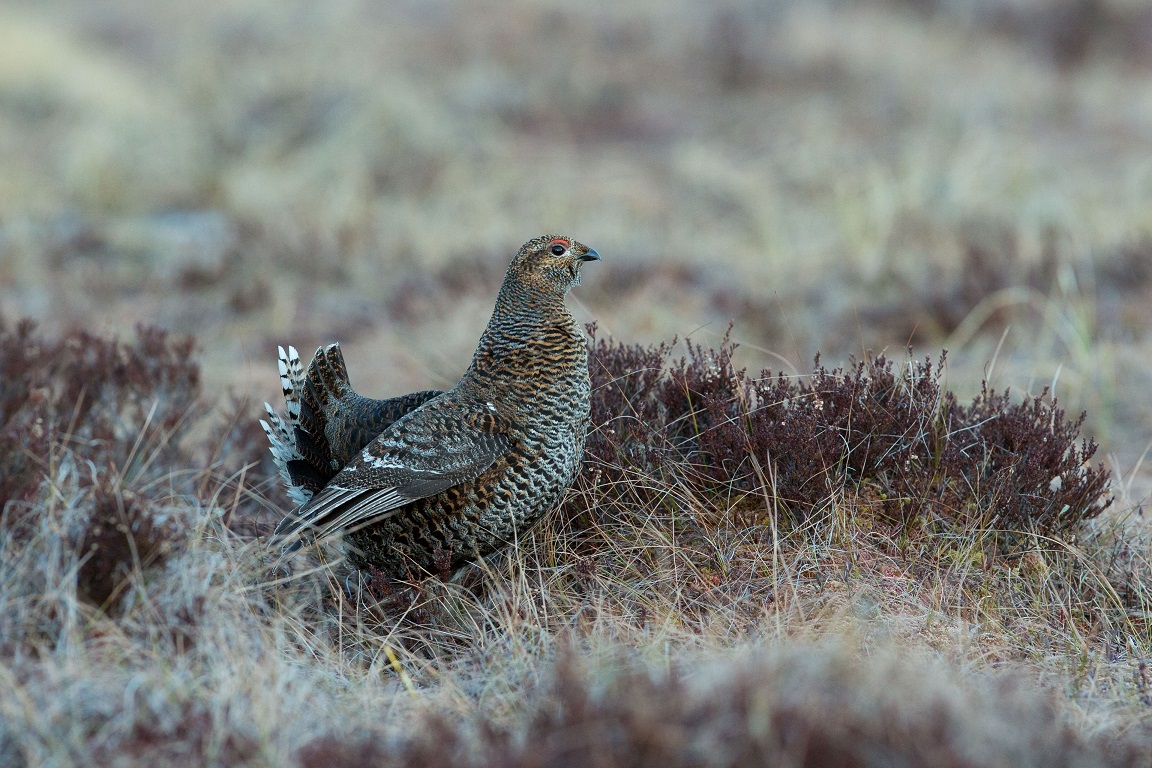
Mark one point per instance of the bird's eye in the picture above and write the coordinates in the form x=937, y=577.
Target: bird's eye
x=558, y=249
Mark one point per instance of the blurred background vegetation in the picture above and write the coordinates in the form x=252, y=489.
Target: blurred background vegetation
x=835, y=176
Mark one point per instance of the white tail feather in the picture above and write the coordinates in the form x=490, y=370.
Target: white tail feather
x=281, y=429
x=292, y=381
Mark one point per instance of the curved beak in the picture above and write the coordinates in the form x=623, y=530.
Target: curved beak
x=591, y=255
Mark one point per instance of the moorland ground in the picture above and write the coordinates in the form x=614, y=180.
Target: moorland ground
x=831, y=176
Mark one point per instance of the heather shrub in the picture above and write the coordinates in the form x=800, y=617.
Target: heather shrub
x=25, y=422
x=890, y=438
x=118, y=406
x=92, y=445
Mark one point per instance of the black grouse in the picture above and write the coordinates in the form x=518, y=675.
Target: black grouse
x=432, y=480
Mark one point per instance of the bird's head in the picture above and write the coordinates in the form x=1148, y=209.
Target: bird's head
x=551, y=263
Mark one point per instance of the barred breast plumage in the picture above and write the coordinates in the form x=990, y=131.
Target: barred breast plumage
x=452, y=476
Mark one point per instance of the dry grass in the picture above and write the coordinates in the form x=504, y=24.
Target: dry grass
x=835, y=176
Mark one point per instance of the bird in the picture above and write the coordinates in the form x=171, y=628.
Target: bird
x=427, y=482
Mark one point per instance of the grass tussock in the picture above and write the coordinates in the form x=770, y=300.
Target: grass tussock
x=698, y=601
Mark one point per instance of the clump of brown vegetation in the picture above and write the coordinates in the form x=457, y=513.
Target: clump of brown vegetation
x=893, y=437
x=190, y=736
x=762, y=710
x=92, y=439
x=105, y=398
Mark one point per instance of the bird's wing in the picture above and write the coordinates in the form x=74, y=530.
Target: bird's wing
x=326, y=422
x=427, y=451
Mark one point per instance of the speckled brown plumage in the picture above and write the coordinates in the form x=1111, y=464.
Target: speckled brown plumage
x=468, y=469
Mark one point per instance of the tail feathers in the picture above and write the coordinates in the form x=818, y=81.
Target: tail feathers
x=291, y=380
x=298, y=438
x=327, y=382
x=283, y=449
x=279, y=433
x=282, y=430
x=325, y=422
x=325, y=388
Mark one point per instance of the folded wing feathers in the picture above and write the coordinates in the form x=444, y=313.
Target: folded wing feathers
x=366, y=506
x=341, y=507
